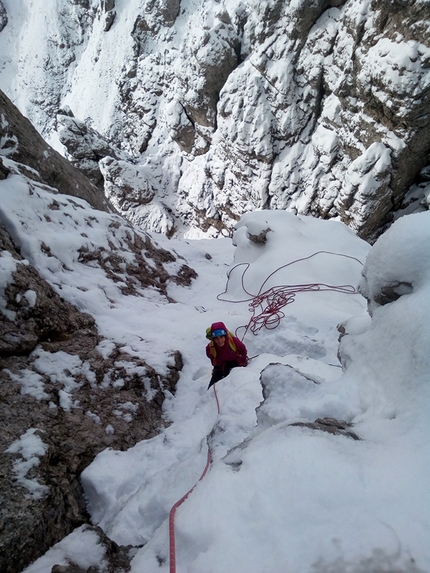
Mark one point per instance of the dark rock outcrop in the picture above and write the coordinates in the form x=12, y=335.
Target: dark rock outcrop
x=201, y=81
x=117, y=558
x=37, y=317
x=38, y=161
x=330, y=425
x=125, y=184
x=88, y=402
x=3, y=16
x=4, y=171
x=85, y=146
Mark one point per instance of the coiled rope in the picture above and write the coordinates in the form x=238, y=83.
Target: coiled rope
x=266, y=305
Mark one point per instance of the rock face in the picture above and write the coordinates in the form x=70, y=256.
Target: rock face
x=21, y=143
x=66, y=392
x=72, y=410
x=315, y=106
x=3, y=16
x=85, y=146
x=116, y=558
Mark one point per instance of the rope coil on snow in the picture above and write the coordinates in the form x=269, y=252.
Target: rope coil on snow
x=274, y=299
x=271, y=301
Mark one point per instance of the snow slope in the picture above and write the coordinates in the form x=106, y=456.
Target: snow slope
x=277, y=497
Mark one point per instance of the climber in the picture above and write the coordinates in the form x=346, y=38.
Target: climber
x=224, y=350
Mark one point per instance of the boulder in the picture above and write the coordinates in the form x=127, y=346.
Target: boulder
x=85, y=146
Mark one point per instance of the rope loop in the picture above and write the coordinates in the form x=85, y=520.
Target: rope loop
x=266, y=305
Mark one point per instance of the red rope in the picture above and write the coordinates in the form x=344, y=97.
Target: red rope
x=216, y=397
x=172, y=541
x=271, y=301
x=172, y=544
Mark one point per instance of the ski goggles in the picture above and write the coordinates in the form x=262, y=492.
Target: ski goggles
x=219, y=332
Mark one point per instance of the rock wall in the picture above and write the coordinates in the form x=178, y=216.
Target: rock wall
x=43, y=329
x=21, y=143
x=315, y=106
x=66, y=393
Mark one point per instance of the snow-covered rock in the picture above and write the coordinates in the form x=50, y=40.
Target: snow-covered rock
x=24, y=151
x=3, y=16
x=67, y=390
x=232, y=107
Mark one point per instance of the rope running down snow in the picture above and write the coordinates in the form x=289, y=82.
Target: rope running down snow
x=172, y=543
x=275, y=298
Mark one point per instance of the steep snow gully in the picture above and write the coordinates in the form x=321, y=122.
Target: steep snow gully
x=303, y=447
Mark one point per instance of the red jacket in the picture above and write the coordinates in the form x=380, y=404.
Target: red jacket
x=233, y=348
